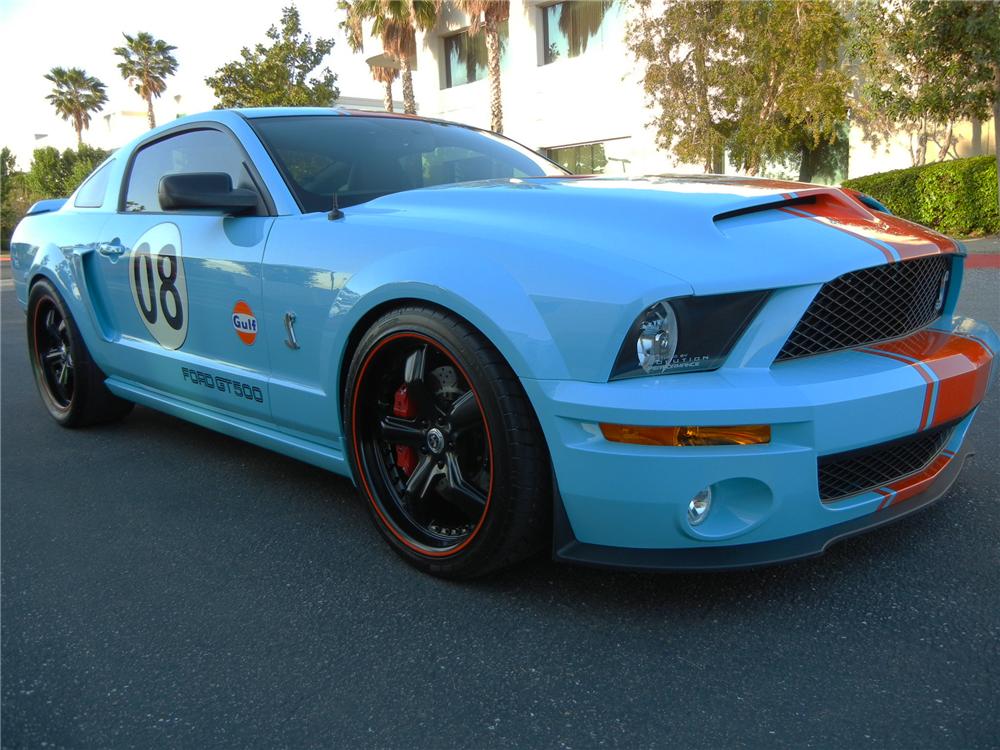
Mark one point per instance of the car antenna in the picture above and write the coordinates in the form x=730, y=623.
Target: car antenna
x=336, y=213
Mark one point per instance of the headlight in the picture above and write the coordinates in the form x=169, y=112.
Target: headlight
x=688, y=334
x=656, y=343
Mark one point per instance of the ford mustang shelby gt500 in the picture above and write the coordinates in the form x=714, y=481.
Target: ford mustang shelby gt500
x=665, y=372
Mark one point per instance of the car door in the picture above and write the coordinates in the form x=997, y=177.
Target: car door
x=181, y=289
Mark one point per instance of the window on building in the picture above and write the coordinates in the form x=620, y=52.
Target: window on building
x=569, y=28
x=601, y=157
x=465, y=57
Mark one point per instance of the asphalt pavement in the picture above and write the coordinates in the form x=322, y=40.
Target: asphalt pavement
x=164, y=586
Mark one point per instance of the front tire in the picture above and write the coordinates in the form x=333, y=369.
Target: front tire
x=445, y=446
x=70, y=384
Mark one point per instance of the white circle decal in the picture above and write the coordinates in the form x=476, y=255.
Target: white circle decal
x=156, y=276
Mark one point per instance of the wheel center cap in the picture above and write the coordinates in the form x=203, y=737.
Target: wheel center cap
x=435, y=440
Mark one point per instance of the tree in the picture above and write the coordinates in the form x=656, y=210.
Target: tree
x=486, y=17
x=49, y=173
x=83, y=162
x=75, y=95
x=279, y=74
x=56, y=175
x=788, y=84
x=969, y=33
x=8, y=164
x=395, y=23
x=52, y=175
x=922, y=66
x=148, y=62
x=717, y=81
x=686, y=48
x=385, y=76
x=9, y=177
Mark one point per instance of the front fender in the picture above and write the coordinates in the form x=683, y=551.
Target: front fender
x=549, y=321
x=551, y=312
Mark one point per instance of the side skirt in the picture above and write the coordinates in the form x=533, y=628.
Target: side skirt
x=325, y=457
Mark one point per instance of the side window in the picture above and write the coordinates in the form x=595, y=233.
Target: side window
x=91, y=193
x=191, y=151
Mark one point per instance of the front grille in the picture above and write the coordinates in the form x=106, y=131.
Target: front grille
x=870, y=305
x=844, y=474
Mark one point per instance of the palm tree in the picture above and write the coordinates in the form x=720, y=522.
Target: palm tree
x=75, y=95
x=385, y=76
x=395, y=23
x=487, y=16
x=147, y=61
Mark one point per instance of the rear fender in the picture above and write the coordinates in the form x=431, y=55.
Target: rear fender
x=56, y=246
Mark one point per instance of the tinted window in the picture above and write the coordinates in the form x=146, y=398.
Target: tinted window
x=359, y=158
x=91, y=193
x=191, y=151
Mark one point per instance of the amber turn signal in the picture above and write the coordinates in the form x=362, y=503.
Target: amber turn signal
x=748, y=434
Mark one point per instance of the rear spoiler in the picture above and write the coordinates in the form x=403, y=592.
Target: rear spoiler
x=46, y=206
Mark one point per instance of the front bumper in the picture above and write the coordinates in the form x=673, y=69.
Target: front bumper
x=625, y=505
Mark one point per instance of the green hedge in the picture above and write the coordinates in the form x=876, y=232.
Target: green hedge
x=955, y=197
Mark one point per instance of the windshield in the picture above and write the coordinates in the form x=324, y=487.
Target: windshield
x=360, y=157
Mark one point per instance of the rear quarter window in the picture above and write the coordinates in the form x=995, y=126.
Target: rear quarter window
x=91, y=193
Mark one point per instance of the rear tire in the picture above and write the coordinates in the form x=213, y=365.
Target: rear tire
x=70, y=384
x=445, y=446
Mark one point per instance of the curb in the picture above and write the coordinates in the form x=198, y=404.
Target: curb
x=982, y=260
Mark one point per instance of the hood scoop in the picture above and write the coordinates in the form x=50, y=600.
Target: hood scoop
x=823, y=202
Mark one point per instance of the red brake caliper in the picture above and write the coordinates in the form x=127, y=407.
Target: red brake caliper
x=406, y=457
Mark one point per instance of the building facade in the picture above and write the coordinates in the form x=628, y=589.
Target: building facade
x=573, y=91
x=570, y=86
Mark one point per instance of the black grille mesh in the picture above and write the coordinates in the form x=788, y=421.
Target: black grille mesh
x=870, y=305
x=845, y=474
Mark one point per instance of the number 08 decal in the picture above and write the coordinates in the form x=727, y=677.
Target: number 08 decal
x=156, y=276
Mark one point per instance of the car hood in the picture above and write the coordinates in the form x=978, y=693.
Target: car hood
x=715, y=233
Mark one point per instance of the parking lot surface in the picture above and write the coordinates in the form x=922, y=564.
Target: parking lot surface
x=164, y=585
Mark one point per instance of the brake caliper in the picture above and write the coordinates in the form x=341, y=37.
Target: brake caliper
x=406, y=457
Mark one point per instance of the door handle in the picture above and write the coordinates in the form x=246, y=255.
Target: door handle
x=114, y=249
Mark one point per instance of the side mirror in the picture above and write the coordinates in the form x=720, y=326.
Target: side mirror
x=205, y=190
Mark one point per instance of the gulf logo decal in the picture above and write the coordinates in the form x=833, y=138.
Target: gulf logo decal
x=244, y=323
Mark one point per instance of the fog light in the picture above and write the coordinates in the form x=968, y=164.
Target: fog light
x=699, y=506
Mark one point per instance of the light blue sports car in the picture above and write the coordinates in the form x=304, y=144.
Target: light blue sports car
x=665, y=372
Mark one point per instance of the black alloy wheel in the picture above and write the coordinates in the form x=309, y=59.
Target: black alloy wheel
x=70, y=384
x=444, y=445
x=432, y=460
x=54, y=353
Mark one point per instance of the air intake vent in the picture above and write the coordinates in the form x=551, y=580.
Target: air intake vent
x=870, y=305
x=845, y=474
